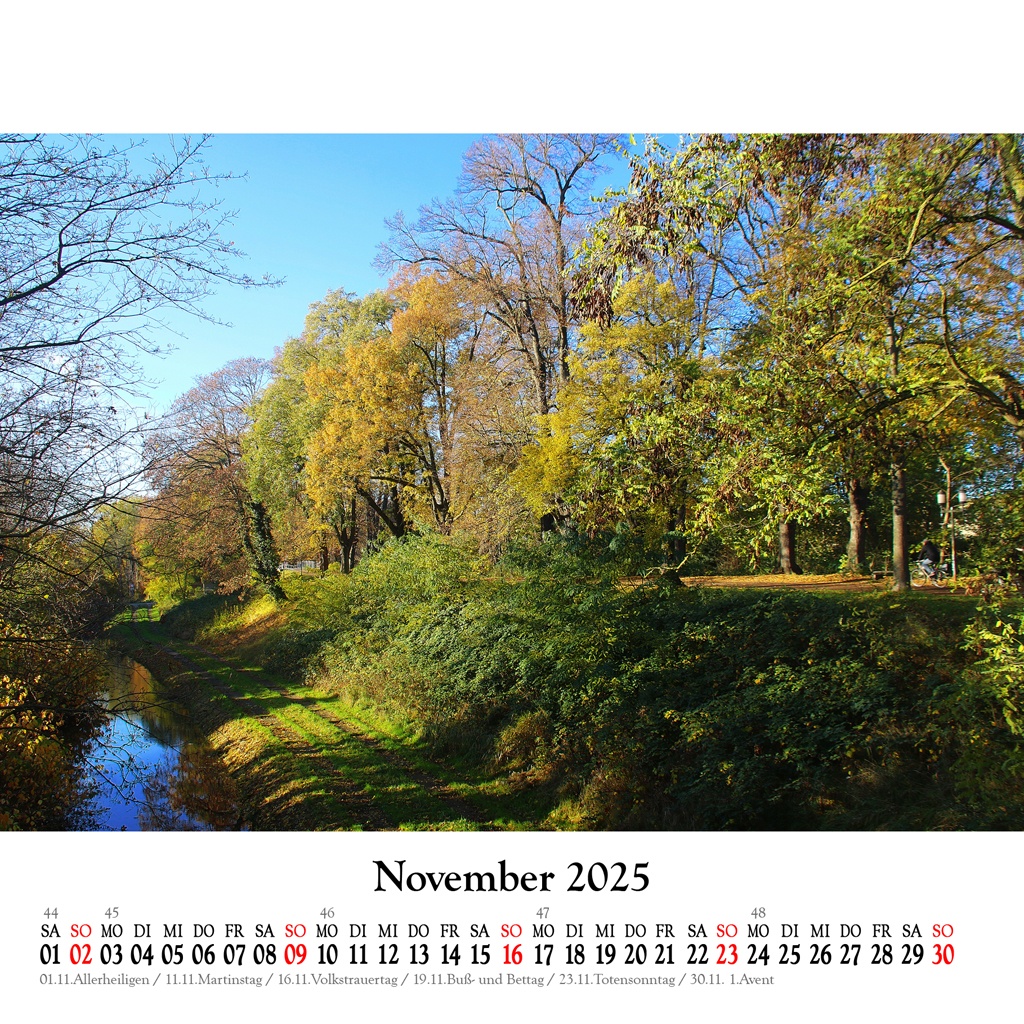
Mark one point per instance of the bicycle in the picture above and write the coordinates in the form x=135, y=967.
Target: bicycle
x=929, y=572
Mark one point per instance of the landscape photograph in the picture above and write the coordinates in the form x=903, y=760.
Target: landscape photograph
x=512, y=482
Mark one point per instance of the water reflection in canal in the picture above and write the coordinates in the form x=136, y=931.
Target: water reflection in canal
x=150, y=769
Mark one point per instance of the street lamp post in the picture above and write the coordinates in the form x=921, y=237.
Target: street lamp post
x=944, y=498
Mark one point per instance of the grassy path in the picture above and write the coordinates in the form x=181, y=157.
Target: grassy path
x=307, y=759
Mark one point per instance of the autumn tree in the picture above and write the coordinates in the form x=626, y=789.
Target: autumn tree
x=115, y=539
x=285, y=419
x=885, y=256
x=924, y=264
x=198, y=473
x=335, y=466
x=510, y=231
x=95, y=241
x=964, y=201
x=703, y=218
x=388, y=405
x=622, y=445
x=828, y=256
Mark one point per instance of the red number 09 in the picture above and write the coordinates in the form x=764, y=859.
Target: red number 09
x=294, y=954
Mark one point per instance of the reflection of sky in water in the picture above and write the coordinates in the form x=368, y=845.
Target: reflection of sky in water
x=149, y=768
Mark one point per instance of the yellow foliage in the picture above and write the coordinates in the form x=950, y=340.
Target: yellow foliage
x=634, y=363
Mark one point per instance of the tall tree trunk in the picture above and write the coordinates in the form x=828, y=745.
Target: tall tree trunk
x=857, y=495
x=900, y=557
x=787, y=548
x=342, y=535
x=350, y=552
x=900, y=560
x=678, y=543
x=260, y=550
x=347, y=537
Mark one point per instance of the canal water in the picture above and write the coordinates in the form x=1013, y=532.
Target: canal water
x=150, y=769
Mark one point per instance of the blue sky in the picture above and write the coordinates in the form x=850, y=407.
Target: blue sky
x=311, y=210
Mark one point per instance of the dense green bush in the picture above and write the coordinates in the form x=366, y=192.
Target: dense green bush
x=982, y=712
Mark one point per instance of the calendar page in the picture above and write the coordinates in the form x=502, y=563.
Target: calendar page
x=775, y=925
x=522, y=521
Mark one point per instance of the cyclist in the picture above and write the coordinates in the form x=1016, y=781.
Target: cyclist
x=928, y=559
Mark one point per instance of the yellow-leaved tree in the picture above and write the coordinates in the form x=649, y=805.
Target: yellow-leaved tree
x=395, y=410
x=619, y=449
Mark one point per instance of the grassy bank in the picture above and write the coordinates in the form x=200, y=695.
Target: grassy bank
x=304, y=757
x=547, y=695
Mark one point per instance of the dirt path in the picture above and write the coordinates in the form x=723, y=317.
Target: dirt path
x=434, y=786
x=301, y=695
x=833, y=583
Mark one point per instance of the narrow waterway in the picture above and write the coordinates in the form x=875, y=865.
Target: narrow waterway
x=149, y=768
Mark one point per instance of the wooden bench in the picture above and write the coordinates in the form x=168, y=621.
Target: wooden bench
x=135, y=606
